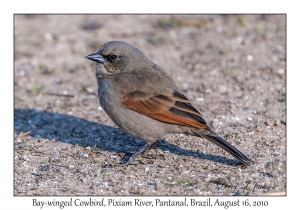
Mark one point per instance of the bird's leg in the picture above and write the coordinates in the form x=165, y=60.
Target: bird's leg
x=144, y=148
x=145, y=155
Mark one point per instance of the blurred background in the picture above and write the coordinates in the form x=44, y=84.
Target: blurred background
x=204, y=53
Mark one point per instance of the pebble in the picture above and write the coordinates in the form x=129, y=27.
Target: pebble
x=249, y=57
x=235, y=118
x=48, y=36
x=90, y=90
x=22, y=72
x=92, y=25
x=260, y=129
x=277, y=122
x=25, y=158
x=84, y=155
x=199, y=99
x=173, y=34
x=219, y=29
x=185, y=86
x=273, y=122
x=239, y=39
x=208, y=90
x=280, y=71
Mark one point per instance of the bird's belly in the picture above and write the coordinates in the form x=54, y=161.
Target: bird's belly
x=128, y=120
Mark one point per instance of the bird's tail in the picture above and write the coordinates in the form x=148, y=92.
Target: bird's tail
x=216, y=139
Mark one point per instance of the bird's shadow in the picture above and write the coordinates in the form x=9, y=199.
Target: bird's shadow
x=75, y=130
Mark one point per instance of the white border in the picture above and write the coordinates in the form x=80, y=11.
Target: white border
x=8, y=201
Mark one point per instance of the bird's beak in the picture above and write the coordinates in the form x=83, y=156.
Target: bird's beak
x=95, y=57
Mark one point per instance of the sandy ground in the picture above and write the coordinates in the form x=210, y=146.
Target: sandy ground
x=232, y=68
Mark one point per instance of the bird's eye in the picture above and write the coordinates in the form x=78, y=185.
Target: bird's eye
x=113, y=57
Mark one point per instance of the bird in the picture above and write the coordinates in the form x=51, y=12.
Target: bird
x=142, y=99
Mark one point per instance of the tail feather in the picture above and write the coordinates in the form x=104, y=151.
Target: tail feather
x=216, y=139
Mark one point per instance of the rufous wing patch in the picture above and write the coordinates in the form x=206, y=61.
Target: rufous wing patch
x=170, y=108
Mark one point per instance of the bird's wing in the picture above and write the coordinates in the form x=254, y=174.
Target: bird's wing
x=170, y=108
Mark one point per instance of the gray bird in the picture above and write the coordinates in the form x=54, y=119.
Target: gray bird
x=142, y=99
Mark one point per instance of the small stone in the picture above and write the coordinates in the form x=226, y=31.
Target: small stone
x=185, y=86
x=239, y=39
x=199, y=99
x=249, y=57
x=273, y=122
x=22, y=72
x=90, y=90
x=25, y=158
x=84, y=155
x=48, y=36
x=260, y=129
x=208, y=179
x=277, y=122
x=269, y=122
x=91, y=25
x=208, y=90
x=239, y=105
x=266, y=70
x=280, y=71
x=173, y=34
x=221, y=181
